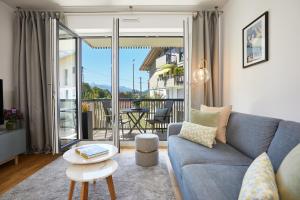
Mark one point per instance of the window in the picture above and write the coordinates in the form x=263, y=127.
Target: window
x=181, y=58
x=66, y=76
x=67, y=94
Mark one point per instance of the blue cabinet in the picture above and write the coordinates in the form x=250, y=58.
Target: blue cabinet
x=12, y=143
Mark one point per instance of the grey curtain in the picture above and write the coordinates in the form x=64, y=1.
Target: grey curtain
x=205, y=45
x=33, y=76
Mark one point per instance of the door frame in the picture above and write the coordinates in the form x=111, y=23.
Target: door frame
x=187, y=48
x=56, y=24
x=115, y=74
x=115, y=83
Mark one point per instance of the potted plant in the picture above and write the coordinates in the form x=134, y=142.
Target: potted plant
x=87, y=121
x=178, y=71
x=137, y=104
x=13, y=119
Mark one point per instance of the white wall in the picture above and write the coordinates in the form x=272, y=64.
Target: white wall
x=271, y=88
x=6, y=44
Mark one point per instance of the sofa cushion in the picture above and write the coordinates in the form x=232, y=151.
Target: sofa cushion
x=251, y=134
x=203, y=135
x=286, y=138
x=223, y=119
x=183, y=152
x=205, y=118
x=259, y=180
x=211, y=181
x=288, y=176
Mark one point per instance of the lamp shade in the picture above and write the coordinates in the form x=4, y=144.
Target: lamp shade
x=201, y=74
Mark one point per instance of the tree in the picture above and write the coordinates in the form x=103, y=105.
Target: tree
x=94, y=93
x=86, y=91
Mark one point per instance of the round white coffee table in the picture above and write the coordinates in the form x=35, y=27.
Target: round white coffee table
x=72, y=157
x=91, y=172
x=85, y=170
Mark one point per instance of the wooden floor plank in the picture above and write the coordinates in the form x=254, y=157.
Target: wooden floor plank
x=11, y=174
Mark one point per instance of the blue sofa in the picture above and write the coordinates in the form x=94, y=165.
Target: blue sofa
x=217, y=173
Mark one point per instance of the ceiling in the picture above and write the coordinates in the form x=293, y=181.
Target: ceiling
x=115, y=5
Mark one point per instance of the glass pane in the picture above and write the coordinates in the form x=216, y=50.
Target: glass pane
x=96, y=88
x=151, y=89
x=68, y=131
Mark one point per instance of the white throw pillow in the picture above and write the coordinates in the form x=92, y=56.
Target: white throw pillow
x=259, y=181
x=199, y=134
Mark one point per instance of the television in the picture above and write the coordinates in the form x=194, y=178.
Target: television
x=1, y=103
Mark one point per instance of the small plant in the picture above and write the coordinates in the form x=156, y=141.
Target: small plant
x=12, y=115
x=178, y=71
x=137, y=103
x=85, y=107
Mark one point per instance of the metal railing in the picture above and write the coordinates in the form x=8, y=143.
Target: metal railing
x=96, y=106
x=170, y=81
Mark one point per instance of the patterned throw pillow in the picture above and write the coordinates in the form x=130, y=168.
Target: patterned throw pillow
x=199, y=134
x=259, y=181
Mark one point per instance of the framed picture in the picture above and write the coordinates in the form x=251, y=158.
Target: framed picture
x=255, y=41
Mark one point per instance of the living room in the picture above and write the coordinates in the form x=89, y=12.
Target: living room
x=234, y=134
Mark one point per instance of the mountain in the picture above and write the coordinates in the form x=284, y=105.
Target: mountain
x=108, y=87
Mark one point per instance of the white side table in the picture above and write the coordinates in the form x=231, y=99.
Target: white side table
x=85, y=170
x=91, y=172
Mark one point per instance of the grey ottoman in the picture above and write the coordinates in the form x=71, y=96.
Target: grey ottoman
x=146, y=153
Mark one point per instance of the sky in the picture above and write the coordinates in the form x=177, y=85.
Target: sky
x=97, y=66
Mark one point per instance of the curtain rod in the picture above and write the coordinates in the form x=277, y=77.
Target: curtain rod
x=220, y=12
x=193, y=13
x=132, y=12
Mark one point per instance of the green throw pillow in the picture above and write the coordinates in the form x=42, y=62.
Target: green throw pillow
x=199, y=134
x=288, y=175
x=205, y=118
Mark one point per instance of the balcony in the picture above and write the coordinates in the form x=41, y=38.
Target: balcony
x=161, y=83
x=166, y=59
x=99, y=119
x=170, y=81
x=174, y=81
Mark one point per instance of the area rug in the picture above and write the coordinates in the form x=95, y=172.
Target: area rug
x=131, y=182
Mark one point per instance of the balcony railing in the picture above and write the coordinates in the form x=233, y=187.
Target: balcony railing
x=170, y=81
x=99, y=122
x=166, y=59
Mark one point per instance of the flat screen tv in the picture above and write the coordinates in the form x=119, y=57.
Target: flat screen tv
x=1, y=103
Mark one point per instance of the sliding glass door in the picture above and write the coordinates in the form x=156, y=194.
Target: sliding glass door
x=125, y=86
x=66, y=76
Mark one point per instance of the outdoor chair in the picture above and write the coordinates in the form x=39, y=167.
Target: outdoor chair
x=161, y=116
x=108, y=117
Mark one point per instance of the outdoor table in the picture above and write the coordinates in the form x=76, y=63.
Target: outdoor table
x=136, y=119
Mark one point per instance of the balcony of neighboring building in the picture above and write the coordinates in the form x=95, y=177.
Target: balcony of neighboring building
x=167, y=78
x=166, y=61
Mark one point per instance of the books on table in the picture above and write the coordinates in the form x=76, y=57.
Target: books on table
x=91, y=151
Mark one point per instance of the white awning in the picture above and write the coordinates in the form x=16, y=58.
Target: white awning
x=136, y=42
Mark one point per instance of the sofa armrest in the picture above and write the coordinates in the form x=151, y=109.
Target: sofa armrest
x=174, y=129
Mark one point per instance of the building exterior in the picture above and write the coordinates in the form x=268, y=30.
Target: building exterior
x=67, y=76
x=166, y=72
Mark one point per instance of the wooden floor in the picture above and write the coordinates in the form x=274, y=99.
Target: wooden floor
x=11, y=174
